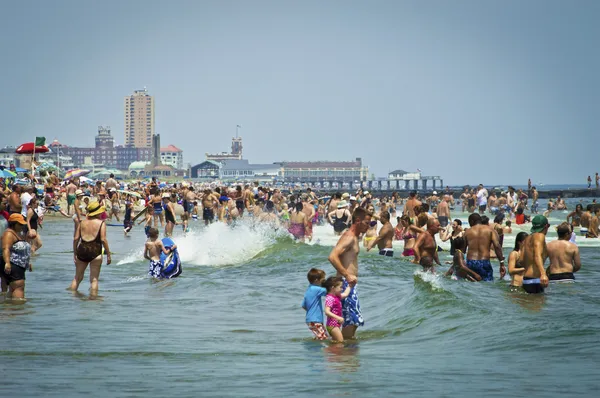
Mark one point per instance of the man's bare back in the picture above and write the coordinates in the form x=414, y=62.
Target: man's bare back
x=564, y=257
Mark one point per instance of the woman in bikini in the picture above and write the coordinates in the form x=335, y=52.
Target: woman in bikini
x=514, y=263
x=88, y=241
x=298, y=221
x=408, y=233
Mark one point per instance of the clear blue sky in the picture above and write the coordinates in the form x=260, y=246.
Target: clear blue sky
x=474, y=91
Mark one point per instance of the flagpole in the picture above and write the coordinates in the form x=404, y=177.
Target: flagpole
x=32, y=161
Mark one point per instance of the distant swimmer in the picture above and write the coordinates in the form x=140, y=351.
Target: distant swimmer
x=344, y=258
x=426, y=247
x=340, y=218
x=411, y=203
x=575, y=216
x=479, y=238
x=482, y=198
x=533, y=254
x=564, y=256
x=534, y=197
x=594, y=230
x=443, y=211
x=385, y=238
x=586, y=217
x=298, y=222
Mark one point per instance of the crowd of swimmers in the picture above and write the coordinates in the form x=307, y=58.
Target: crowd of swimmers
x=357, y=219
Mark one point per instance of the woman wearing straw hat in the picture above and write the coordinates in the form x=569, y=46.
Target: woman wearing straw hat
x=88, y=241
x=16, y=255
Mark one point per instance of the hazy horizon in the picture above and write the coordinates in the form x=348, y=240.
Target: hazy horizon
x=473, y=91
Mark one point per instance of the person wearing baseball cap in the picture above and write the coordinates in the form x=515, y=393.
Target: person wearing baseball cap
x=534, y=254
x=18, y=251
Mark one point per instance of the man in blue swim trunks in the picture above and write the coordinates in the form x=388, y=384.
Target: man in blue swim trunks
x=344, y=258
x=479, y=239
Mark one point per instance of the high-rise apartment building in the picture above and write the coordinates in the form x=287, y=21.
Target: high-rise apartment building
x=139, y=119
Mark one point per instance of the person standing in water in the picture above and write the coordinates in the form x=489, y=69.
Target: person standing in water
x=385, y=238
x=533, y=254
x=88, y=241
x=514, y=264
x=344, y=258
x=426, y=247
x=564, y=256
x=15, y=258
x=479, y=239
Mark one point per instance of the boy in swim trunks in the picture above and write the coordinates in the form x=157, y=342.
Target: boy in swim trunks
x=152, y=250
x=313, y=305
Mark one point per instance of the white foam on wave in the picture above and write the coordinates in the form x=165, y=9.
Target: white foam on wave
x=220, y=244
x=435, y=280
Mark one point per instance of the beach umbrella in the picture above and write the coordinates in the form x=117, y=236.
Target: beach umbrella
x=28, y=148
x=137, y=195
x=74, y=173
x=7, y=174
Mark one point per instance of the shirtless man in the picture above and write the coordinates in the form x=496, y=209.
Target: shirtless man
x=594, y=230
x=564, y=256
x=464, y=198
x=479, y=238
x=115, y=205
x=411, y=203
x=585, y=219
x=534, y=200
x=71, y=188
x=385, y=238
x=208, y=203
x=111, y=183
x=14, y=200
x=443, y=211
x=426, y=247
x=344, y=258
x=533, y=254
x=492, y=203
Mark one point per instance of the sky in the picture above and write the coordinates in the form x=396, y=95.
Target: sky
x=473, y=91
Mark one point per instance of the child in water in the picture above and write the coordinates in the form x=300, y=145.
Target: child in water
x=152, y=251
x=458, y=264
x=312, y=303
x=333, y=306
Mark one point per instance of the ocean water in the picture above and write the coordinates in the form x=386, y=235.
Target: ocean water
x=232, y=325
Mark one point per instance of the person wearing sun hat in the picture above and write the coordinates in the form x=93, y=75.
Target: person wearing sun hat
x=89, y=239
x=534, y=253
x=15, y=258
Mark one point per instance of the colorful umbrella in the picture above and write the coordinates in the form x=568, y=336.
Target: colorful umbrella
x=137, y=195
x=28, y=148
x=74, y=173
x=7, y=174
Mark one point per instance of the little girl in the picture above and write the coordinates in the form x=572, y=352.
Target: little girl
x=458, y=265
x=333, y=306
